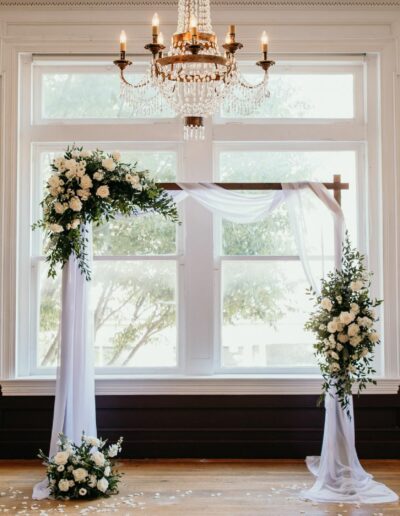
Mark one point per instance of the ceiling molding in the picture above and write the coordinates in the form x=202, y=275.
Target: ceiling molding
x=217, y=3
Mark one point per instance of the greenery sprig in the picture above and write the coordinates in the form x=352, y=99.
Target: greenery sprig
x=93, y=187
x=343, y=324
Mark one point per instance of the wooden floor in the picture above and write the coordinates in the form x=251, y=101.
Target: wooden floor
x=209, y=488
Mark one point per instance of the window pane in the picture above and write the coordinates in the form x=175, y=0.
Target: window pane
x=76, y=94
x=49, y=318
x=280, y=166
x=303, y=95
x=135, y=313
x=264, y=311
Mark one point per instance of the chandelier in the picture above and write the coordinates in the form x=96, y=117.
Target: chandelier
x=193, y=77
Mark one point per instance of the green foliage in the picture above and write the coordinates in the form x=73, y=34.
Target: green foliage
x=343, y=326
x=92, y=187
x=84, y=471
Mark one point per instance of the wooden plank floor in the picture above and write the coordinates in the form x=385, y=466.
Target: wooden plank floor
x=209, y=488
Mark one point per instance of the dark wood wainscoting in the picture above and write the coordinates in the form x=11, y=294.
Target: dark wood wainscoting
x=206, y=426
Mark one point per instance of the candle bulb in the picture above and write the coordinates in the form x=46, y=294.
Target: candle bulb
x=193, y=25
x=122, y=41
x=228, y=39
x=232, y=29
x=264, y=42
x=155, y=22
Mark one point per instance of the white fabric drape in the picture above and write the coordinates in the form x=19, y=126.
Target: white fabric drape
x=74, y=407
x=340, y=476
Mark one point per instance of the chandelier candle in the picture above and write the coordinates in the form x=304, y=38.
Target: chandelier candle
x=193, y=77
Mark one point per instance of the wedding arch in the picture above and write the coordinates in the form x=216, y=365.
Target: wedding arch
x=74, y=409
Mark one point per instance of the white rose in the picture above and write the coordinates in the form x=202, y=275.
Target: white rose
x=102, y=485
x=59, y=208
x=98, y=458
x=86, y=182
x=116, y=155
x=374, y=337
x=364, y=352
x=56, y=228
x=353, y=330
x=92, y=441
x=99, y=176
x=83, y=194
x=107, y=471
x=82, y=491
x=322, y=327
x=354, y=308
x=326, y=304
x=332, y=340
x=339, y=347
x=60, y=468
x=355, y=341
x=71, y=483
x=75, y=223
x=103, y=191
x=334, y=367
x=356, y=285
x=70, y=164
x=352, y=369
x=334, y=355
x=372, y=313
x=346, y=317
x=85, y=154
x=80, y=474
x=332, y=326
x=92, y=481
x=54, y=181
x=75, y=204
x=342, y=337
x=366, y=322
x=63, y=485
x=75, y=154
x=108, y=164
x=59, y=163
x=113, y=450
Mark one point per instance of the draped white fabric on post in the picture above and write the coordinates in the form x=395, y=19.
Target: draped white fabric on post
x=74, y=407
x=340, y=476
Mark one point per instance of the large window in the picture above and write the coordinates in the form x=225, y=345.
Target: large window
x=208, y=296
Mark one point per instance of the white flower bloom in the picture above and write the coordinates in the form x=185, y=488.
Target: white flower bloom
x=107, y=471
x=355, y=341
x=59, y=163
x=102, y=485
x=86, y=182
x=93, y=441
x=54, y=181
x=98, y=458
x=80, y=474
x=353, y=330
x=332, y=340
x=63, y=485
x=332, y=326
x=92, y=481
x=342, y=337
x=372, y=313
x=59, y=208
x=86, y=154
x=75, y=154
x=82, y=491
x=103, y=191
x=71, y=483
x=116, y=155
x=60, y=468
x=70, y=164
x=83, y=194
x=334, y=355
x=113, y=450
x=334, y=367
x=326, y=304
x=346, y=317
x=75, y=223
x=354, y=308
x=99, y=176
x=75, y=204
x=56, y=228
x=365, y=322
x=356, y=285
x=352, y=369
x=364, y=352
x=322, y=327
x=373, y=337
x=108, y=164
x=339, y=347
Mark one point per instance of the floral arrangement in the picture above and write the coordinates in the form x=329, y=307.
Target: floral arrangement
x=343, y=324
x=92, y=187
x=84, y=471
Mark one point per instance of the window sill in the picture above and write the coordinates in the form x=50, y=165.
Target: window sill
x=183, y=385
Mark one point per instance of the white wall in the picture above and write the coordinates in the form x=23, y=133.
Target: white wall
x=373, y=28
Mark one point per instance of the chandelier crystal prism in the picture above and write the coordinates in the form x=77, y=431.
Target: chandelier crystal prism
x=193, y=77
